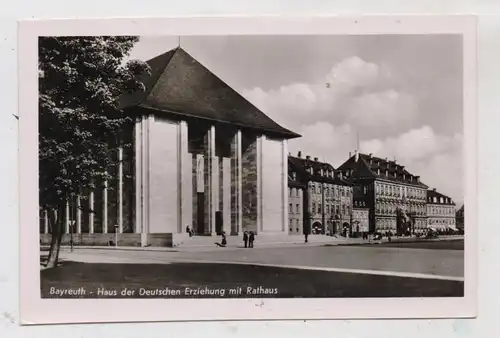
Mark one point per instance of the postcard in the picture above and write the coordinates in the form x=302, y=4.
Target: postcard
x=247, y=168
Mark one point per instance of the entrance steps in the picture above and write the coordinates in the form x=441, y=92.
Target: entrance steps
x=265, y=239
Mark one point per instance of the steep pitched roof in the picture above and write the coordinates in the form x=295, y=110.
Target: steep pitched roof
x=302, y=166
x=368, y=166
x=179, y=84
x=445, y=199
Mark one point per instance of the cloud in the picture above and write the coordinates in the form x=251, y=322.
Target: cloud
x=437, y=159
x=352, y=92
x=323, y=140
x=359, y=97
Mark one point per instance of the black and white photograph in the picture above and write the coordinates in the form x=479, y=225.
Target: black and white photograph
x=251, y=166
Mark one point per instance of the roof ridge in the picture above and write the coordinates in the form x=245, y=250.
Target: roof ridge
x=178, y=48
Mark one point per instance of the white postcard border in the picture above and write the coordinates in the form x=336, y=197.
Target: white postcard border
x=34, y=310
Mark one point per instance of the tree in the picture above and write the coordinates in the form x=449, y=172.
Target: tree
x=80, y=82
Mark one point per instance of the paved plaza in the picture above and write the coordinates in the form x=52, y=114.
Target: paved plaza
x=389, y=269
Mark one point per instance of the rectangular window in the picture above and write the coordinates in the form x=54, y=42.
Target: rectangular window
x=298, y=208
x=290, y=210
x=319, y=208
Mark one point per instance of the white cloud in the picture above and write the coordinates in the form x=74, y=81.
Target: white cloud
x=361, y=97
x=353, y=72
x=323, y=140
x=352, y=92
x=437, y=159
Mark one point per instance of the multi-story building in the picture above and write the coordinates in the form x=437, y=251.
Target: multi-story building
x=396, y=198
x=441, y=211
x=296, y=192
x=202, y=157
x=460, y=218
x=360, y=217
x=328, y=197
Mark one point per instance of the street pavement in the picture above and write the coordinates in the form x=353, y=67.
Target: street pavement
x=372, y=259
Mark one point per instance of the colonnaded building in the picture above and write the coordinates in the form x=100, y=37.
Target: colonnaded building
x=203, y=157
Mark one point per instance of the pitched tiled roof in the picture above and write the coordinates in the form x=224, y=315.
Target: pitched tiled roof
x=179, y=84
x=368, y=166
x=302, y=166
x=445, y=199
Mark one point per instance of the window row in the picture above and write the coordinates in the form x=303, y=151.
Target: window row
x=446, y=221
x=441, y=211
x=294, y=223
x=399, y=191
x=291, y=210
x=316, y=188
x=391, y=209
x=293, y=192
x=331, y=209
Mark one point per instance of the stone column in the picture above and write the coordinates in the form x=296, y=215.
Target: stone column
x=78, y=216
x=120, y=189
x=66, y=220
x=105, y=208
x=138, y=175
x=185, y=180
x=144, y=169
x=236, y=185
x=226, y=194
x=91, y=212
x=258, y=159
x=210, y=181
x=250, y=190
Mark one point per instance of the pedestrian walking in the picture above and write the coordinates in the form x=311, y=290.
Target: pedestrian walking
x=251, y=239
x=224, y=240
x=306, y=235
x=245, y=238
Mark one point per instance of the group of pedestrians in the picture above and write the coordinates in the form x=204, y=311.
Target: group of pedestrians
x=248, y=239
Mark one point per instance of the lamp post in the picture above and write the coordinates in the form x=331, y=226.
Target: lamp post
x=71, y=225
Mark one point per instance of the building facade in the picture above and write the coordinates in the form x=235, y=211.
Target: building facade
x=396, y=198
x=296, y=192
x=327, y=199
x=203, y=157
x=441, y=211
x=361, y=217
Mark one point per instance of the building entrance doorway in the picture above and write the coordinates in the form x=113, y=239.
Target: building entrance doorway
x=218, y=222
x=200, y=214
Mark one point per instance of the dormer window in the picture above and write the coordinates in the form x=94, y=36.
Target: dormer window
x=386, y=173
x=294, y=176
x=378, y=171
x=395, y=175
x=321, y=172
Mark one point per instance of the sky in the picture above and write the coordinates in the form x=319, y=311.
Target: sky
x=397, y=96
